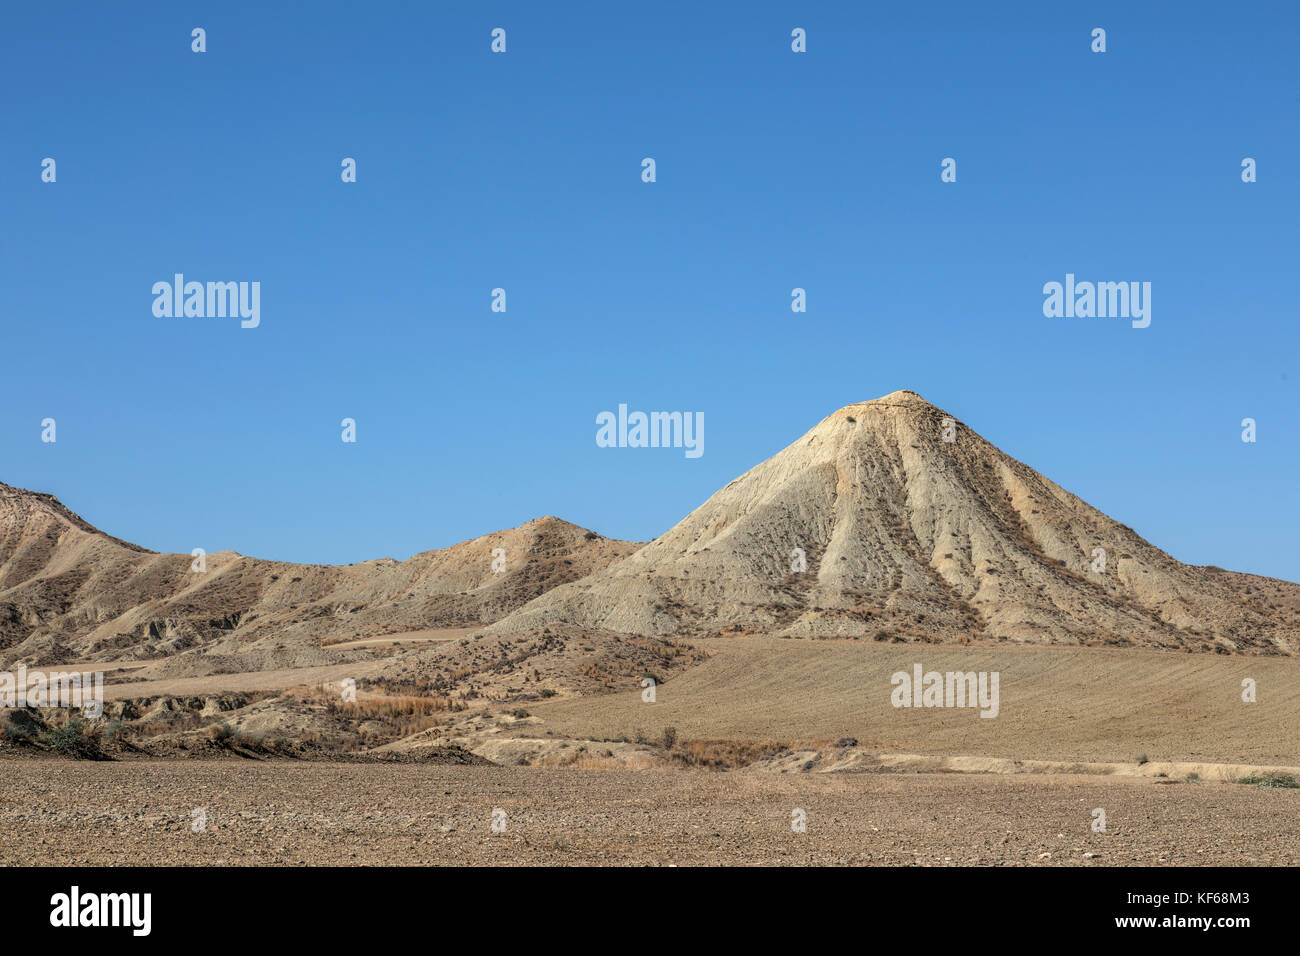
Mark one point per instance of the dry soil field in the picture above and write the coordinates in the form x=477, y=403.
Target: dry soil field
x=1090, y=704
x=55, y=812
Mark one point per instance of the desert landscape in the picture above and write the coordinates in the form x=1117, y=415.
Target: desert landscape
x=726, y=693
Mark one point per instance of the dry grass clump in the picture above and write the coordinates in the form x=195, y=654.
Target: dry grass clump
x=725, y=754
x=387, y=708
x=582, y=759
x=396, y=716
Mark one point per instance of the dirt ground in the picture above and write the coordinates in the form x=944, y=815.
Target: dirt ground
x=55, y=812
x=1058, y=703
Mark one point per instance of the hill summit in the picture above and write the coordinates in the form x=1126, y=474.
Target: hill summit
x=892, y=520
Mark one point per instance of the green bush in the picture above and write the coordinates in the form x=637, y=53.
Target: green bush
x=76, y=738
x=1281, y=780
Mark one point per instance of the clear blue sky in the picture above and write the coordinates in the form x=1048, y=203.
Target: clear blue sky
x=522, y=170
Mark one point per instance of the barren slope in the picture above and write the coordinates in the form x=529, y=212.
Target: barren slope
x=1057, y=703
x=910, y=537
x=69, y=592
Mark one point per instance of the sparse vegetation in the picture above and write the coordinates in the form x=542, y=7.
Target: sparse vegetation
x=1281, y=780
x=76, y=738
x=223, y=735
x=384, y=707
x=726, y=754
x=18, y=732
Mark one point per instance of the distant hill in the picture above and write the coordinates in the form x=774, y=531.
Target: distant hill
x=71, y=592
x=910, y=537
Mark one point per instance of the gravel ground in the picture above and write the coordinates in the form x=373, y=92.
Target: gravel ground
x=64, y=813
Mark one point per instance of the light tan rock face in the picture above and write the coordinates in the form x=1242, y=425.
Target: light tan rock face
x=906, y=537
x=910, y=537
x=70, y=592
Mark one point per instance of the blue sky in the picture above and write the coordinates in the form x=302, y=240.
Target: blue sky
x=775, y=170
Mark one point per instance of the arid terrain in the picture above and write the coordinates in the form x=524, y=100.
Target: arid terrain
x=258, y=814
x=674, y=701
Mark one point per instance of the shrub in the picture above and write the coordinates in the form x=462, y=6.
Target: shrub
x=1282, y=780
x=670, y=738
x=20, y=727
x=76, y=738
x=387, y=707
x=726, y=755
x=1143, y=759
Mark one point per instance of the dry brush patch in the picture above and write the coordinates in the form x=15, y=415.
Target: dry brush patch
x=729, y=754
